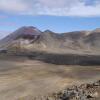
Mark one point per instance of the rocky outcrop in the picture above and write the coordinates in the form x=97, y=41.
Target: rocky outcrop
x=89, y=91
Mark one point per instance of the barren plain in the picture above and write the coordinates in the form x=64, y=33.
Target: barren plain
x=22, y=78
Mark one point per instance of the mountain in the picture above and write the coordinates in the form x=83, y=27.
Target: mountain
x=49, y=39
x=93, y=39
x=31, y=38
x=29, y=33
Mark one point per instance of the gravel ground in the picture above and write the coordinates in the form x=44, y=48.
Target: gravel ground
x=88, y=91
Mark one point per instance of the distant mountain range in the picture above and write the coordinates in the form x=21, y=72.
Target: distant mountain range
x=32, y=39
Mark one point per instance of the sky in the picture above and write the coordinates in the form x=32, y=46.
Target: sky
x=56, y=15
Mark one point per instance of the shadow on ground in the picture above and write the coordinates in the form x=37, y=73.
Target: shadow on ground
x=66, y=59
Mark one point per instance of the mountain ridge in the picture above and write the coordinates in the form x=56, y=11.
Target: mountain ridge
x=32, y=38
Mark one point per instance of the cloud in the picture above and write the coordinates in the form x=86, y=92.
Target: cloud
x=2, y=16
x=82, y=8
x=8, y=24
x=12, y=6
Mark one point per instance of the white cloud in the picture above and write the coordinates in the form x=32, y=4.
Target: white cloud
x=82, y=8
x=13, y=6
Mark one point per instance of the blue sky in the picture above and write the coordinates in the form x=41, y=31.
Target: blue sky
x=56, y=15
